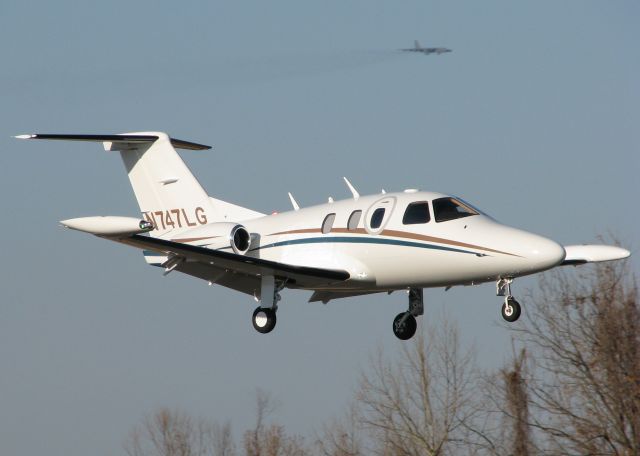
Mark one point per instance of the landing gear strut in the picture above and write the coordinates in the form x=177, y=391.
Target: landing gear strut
x=511, y=309
x=405, y=325
x=264, y=317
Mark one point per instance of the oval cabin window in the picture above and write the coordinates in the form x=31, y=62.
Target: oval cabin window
x=354, y=219
x=327, y=224
x=376, y=218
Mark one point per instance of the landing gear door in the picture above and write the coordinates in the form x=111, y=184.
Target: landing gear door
x=378, y=214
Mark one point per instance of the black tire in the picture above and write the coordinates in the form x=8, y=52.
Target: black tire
x=264, y=319
x=514, y=311
x=406, y=329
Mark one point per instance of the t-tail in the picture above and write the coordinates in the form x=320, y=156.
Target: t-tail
x=169, y=195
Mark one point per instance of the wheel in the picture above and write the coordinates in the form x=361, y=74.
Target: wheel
x=264, y=319
x=404, y=330
x=511, y=309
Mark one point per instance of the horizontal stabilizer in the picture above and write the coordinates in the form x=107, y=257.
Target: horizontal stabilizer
x=135, y=139
x=109, y=225
x=581, y=254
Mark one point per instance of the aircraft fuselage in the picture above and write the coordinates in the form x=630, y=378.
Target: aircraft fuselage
x=393, y=254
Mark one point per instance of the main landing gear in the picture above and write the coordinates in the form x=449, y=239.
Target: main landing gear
x=264, y=317
x=405, y=325
x=511, y=309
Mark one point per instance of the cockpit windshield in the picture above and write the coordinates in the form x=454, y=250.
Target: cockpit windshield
x=447, y=208
x=472, y=206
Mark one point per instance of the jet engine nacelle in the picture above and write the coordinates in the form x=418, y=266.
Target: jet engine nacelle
x=220, y=235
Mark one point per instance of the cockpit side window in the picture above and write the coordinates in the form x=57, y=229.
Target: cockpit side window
x=416, y=213
x=446, y=209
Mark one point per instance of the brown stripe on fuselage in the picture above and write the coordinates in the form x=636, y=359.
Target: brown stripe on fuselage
x=397, y=234
x=347, y=230
x=303, y=231
x=422, y=237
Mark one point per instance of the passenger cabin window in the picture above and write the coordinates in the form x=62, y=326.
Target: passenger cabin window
x=446, y=209
x=327, y=224
x=416, y=213
x=376, y=218
x=354, y=219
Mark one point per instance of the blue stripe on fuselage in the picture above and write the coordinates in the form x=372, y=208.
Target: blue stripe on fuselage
x=361, y=240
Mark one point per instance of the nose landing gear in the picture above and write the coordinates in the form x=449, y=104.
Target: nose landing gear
x=511, y=309
x=405, y=325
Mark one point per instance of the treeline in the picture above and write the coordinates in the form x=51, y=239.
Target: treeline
x=571, y=387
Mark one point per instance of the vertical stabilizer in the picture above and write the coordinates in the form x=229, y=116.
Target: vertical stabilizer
x=168, y=194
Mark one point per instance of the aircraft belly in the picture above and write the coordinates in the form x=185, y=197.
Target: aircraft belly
x=424, y=267
x=390, y=262
x=407, y=267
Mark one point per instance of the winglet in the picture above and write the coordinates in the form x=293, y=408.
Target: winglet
x=294, y=203
x=354, y=192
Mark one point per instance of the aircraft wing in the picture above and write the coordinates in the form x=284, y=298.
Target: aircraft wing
x=230, y=263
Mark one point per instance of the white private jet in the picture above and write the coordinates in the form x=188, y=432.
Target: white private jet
x=366, y=244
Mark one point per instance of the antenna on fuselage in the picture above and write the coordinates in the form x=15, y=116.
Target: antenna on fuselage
x=354, y=192
x=294, y=203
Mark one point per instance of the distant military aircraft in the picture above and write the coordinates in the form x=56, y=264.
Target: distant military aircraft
x=426, y=51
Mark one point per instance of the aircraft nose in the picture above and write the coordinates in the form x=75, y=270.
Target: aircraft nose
x=544, y=253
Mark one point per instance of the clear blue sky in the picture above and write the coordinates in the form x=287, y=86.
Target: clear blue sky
x=534, y=118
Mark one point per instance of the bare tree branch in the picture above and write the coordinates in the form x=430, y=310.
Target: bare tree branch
x=173, y=433
x=423, y=402
x=584, y=336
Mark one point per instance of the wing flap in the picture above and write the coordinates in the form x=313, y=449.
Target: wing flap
x=325, y=296
x=249, y=284
x=299, y=276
